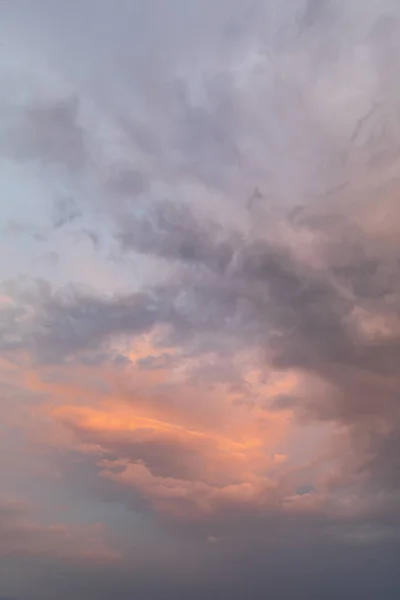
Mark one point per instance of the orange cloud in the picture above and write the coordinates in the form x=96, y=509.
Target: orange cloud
x=173, y=442
x=169, y=461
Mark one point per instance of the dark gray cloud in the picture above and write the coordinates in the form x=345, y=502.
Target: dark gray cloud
x=65, y=323
x=170, y=230
x=294, y=559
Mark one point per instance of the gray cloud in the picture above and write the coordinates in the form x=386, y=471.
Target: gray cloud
x=170, y=230
x=298, y=101
x=50, y=133
x=163, y=457
x=65, y=211
x=63, y=324
x=156, y=362
x=266, y=296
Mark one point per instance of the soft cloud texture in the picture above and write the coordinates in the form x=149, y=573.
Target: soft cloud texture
x=199, y=299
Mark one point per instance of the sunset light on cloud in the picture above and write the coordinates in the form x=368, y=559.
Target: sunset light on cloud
x=199, y=299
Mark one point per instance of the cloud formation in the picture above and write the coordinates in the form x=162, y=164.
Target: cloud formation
x=200, y=383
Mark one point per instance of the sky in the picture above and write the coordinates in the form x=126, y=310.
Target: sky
x=199, y=299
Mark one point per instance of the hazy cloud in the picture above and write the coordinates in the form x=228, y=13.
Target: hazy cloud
x=222, y=399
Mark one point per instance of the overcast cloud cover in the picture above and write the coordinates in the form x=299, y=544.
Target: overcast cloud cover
x=199, y=299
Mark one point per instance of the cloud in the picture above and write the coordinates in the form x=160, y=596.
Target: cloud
x=171, y=463
x=49, y=133
x=307, y=320
x=171, y=231
x=22, y=537
x=234, y=378
x=65, y=323
x=65, y=211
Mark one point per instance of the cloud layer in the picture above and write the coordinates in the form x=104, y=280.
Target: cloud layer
x=199, y=299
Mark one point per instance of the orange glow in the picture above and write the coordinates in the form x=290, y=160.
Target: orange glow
x=205, y=448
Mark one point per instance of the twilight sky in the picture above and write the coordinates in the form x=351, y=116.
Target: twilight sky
x=199, y=299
